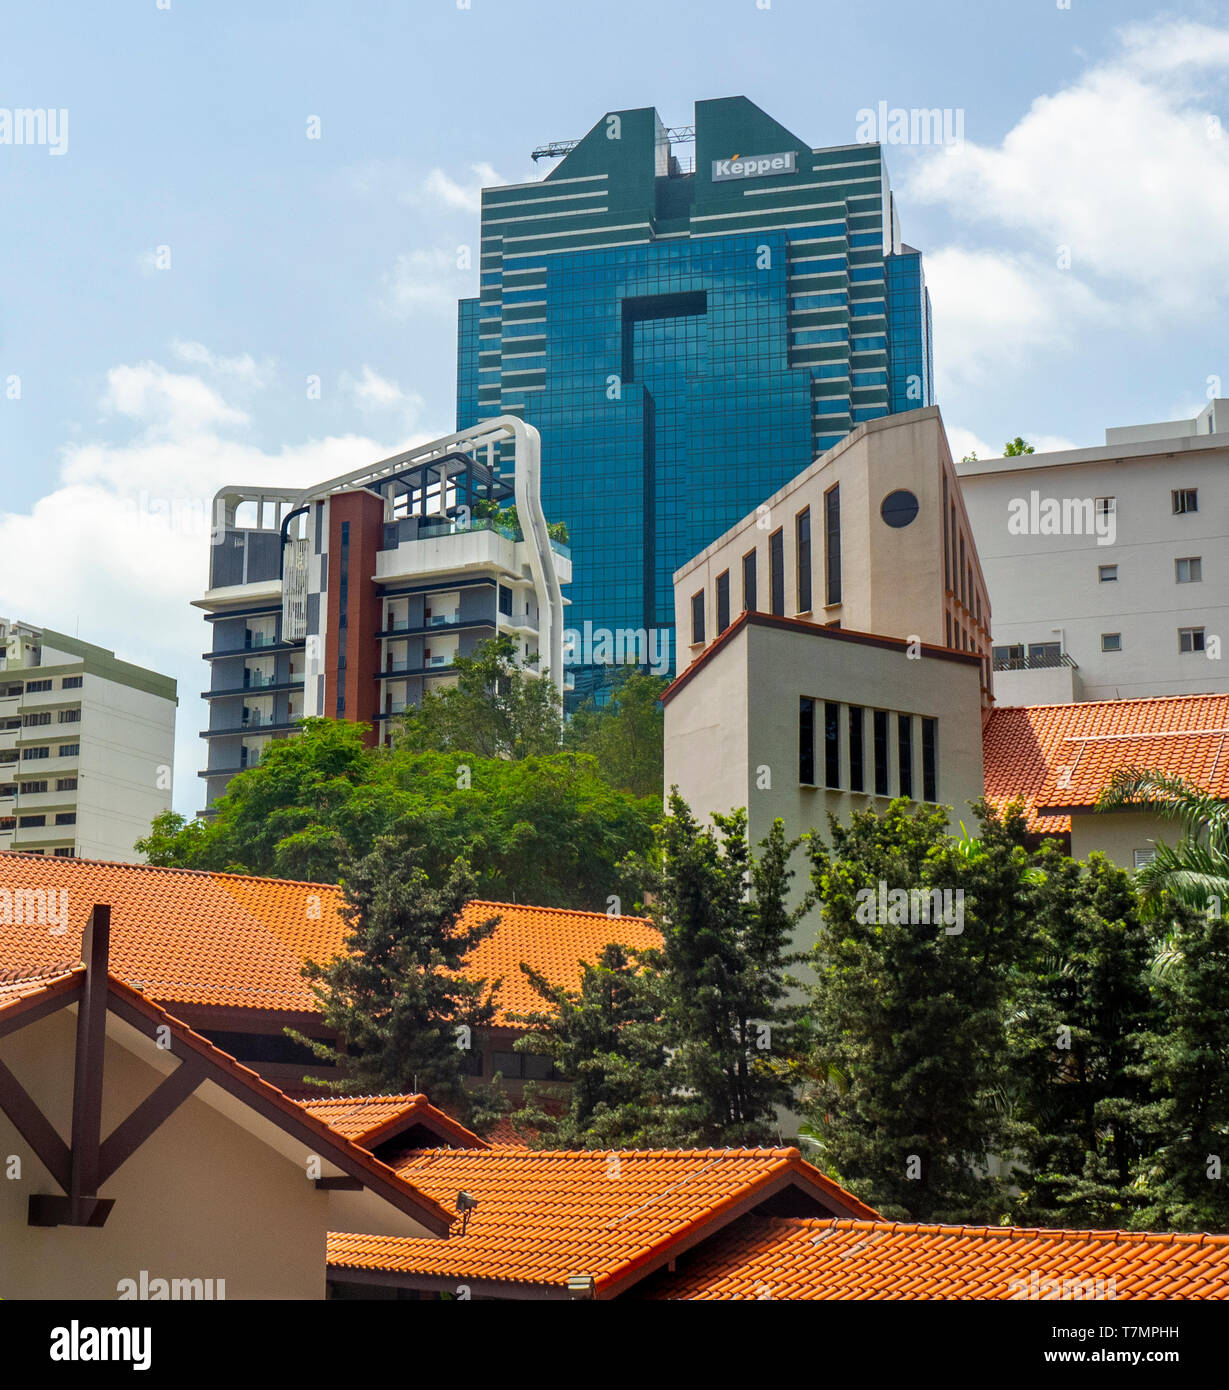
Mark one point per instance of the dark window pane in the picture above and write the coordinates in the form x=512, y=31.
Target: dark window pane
x=806, y=741
x=856, y=774
x=904, y=739
x=697, y=617
x=930, y=779
x=881, y=752
x=832, y=744
x=723, y=601
x=832, y=535
x=776, y=572
x=749, y=599
x=802, y=527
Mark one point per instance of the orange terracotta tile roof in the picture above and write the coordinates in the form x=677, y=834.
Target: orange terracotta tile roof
x=554, y=940
x=250, y=1087
x=802, y=1258
x=545, y=1215
x=370, y=1120
x=1061, y=756
x=227, y=940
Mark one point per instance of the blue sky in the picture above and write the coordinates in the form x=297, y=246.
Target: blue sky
x=146, y=385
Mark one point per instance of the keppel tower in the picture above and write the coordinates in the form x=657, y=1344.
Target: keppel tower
x=687, y=336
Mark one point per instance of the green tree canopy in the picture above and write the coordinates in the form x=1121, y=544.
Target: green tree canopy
x=495, y=709
x=547, y=829
x=626, y=734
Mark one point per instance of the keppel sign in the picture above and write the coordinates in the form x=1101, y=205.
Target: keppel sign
x=755, y=166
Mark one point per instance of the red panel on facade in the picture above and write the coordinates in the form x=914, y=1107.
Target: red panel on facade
x=364, y=512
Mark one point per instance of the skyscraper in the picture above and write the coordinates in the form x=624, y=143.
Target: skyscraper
x=687, y=337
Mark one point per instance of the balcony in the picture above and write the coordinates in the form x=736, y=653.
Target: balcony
x=1043, y=678
x=1042, y=662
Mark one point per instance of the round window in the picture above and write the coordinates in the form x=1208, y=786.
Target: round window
x=899, y=508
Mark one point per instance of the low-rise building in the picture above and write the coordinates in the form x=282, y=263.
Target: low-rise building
x=1058, y=759
x=1107, y=566
x=87, y=746
x=350, y=598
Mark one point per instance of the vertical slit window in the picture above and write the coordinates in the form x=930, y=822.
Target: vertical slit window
x=832, y=744
x=904, y=745
x=776, y=572
x=802, y=537
x=930, y=775
x=857, y=775
x=749, y=601
x=806, y=741
x=881, y=752
x=832, y=544
x=697, y=617
x=723, y=601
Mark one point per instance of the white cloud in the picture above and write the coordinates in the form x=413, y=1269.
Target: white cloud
x=1128, y=167
x=447, y=192
x=243, y=370
x=120, y=546
x=167, y=401
x=994, y=313
x=963, y=442
x=421, y=281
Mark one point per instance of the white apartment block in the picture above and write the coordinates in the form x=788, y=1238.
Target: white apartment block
x=86, y=746
x=1108, y=567
x=349, y=599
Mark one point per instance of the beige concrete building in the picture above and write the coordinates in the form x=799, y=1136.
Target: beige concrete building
x=795, y=720
x=873, y=537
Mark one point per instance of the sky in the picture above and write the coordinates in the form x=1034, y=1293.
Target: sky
x=234, y=259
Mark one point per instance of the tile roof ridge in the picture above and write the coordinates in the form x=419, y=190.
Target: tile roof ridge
x=1131, y=700
x=164, y=869
x=20, y=975
x=1111, y=1235
x=571, y=911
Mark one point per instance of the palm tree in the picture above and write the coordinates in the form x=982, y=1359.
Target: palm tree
x=1195, y=871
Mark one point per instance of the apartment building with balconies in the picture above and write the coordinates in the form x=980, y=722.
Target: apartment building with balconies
x=86, y=746
x=350, y=599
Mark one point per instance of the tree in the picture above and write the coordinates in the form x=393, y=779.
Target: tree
x=1182, y=1183
x=548, y=830
x=495, y=709
x=505, y=516
x=396, y=998
x=606, y=1039
x=1015, y=447
x=1080, y=1014
x=626, y=734
x=727, y=942
x=1196, y=870
x=908, y=1015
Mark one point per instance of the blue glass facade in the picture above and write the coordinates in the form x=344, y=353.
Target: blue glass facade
x=685, y=343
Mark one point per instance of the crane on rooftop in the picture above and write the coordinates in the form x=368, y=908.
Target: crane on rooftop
x=676, y=134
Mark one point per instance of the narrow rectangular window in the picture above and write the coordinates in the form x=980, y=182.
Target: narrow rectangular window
x=697, y=617
x=832, y=744
x=947, y=545
x=749, y=602
x=857, y=776
x=832, y=544
x=802, y=536
x=723, y=601
x=904, y=747
x=806, y=741
x=776, y=572
x=964, y=595
x=881, y=752
x=930, y=766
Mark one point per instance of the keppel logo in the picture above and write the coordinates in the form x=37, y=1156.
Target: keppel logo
x=754, y=166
